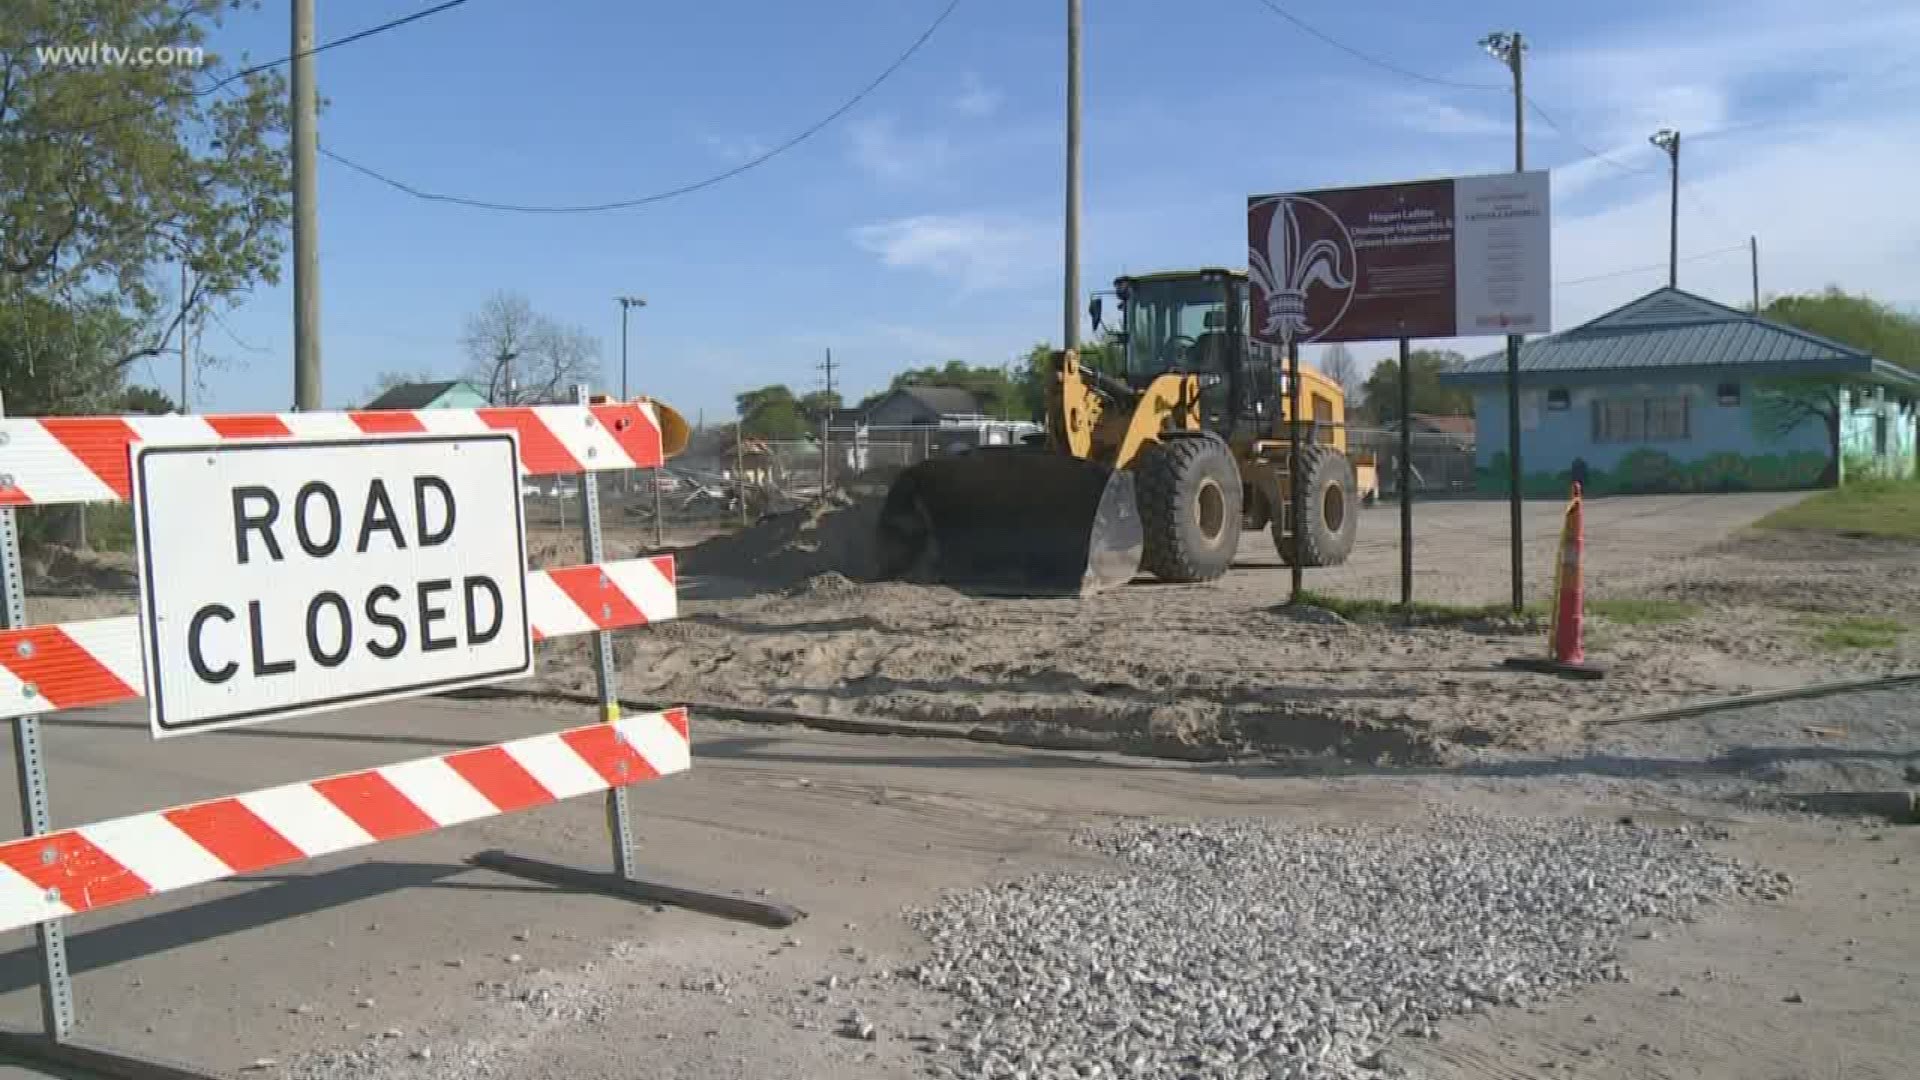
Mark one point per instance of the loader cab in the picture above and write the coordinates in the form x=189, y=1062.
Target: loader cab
x=1196, y=321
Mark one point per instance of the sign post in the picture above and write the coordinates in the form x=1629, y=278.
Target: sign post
x=36, y=812
x=1462, y=257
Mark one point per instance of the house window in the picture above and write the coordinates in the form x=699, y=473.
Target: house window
x=1728, y=393
x=1558, y=400
x=1649, y=419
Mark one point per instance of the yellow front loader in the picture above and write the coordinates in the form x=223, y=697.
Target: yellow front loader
x=1159, y=466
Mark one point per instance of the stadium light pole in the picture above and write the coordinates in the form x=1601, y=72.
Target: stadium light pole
x=626, y=303
x=1668, y=140
x=1508, y=47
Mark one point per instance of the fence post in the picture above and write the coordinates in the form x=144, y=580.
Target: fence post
x=659, y=518
x=605, y=672
x=36, y=815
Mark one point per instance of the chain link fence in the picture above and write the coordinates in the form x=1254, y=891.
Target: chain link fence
x=718, y=486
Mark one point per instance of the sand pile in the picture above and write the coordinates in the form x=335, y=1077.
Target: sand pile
x=835, y=534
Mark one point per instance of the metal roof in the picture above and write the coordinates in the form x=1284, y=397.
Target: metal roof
x=1669, y=329
x=411, y=395
x=943, y=400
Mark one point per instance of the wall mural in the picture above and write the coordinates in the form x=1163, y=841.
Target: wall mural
x=1647, y=471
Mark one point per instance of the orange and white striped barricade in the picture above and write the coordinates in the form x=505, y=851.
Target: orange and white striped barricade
x=295, y=563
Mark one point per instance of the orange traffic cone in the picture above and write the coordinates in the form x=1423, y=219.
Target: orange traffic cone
x=1566, y=649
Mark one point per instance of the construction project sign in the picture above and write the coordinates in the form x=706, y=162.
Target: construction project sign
x=1461, y=257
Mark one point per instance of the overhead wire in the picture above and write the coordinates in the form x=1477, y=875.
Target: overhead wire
x=1385, y=65
x=254, y=69
x=1715, y=253
x=1626, y=170
x=670, y=193
x=1417, y=76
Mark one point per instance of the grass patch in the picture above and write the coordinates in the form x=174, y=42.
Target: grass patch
x=1643, y=612
x=1424, y=611
x=1868, y=507
x=1858, y=632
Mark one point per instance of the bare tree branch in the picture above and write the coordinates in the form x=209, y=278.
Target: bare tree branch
x=521, y=357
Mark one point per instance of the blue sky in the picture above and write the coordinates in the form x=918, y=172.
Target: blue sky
x=926, y=223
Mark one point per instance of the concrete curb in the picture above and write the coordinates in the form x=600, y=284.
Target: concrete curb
x=1897, y=806
x=1158, y=750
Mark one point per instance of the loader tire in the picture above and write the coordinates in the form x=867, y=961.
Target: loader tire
x=1331, y=510
x=1189, y=499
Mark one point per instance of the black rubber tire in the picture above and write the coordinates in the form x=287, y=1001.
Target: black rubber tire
x=1332, y=518
x=1189, y=498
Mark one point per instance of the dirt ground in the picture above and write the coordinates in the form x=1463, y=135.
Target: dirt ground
x=399, y=962
x=778, y=618
x=1225, y=668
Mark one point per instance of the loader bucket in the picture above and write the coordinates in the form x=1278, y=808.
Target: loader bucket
x=1012, y=521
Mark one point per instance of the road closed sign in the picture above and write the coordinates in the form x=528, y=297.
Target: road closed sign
x=283, y=578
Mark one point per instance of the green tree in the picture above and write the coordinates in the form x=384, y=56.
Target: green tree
x=112, y=175
x=60, y=359
x=1781, y=406
x=1862, y=322
x=818, y=406
x=145, y=400
x=771, y=412
x=1036, y=367
x=1428, y=394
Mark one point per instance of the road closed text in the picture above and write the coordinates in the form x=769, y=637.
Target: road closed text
x=333, y=574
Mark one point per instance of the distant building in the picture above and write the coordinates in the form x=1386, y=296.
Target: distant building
x=1674, y=392
x=1456, y=429
x=911, y=423
x=910, y=405
x=455, y=394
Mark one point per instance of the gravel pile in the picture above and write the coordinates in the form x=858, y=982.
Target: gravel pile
x=1248, y=949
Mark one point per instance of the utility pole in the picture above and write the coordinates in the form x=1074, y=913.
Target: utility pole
x=1509, y=48
x=1070, y=335
x=1753, y=256
x=826, y=425
x=306, y=228
x=1669, y=140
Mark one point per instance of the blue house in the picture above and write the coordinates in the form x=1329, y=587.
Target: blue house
x=1673, y=392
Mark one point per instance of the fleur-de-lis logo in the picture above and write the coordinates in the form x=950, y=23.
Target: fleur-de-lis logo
x=1291, y=265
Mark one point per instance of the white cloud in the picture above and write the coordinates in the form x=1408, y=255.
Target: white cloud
x=1432, y=116
x=975, y=98
x=887, y=153
x=734, y=148
x=975, y=251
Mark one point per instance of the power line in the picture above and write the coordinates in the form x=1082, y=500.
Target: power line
x=358, y=35
x=1408, y=73
x=671, y=193
x=1715, y=253
x=1625, y=170
x=1385, y=65
x=203, y=91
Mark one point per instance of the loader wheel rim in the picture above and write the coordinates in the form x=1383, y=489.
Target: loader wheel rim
x=1210, y=510
x=1333, y=507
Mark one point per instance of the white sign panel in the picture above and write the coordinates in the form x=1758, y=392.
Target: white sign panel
x=1503, y=279
x=283, y=578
